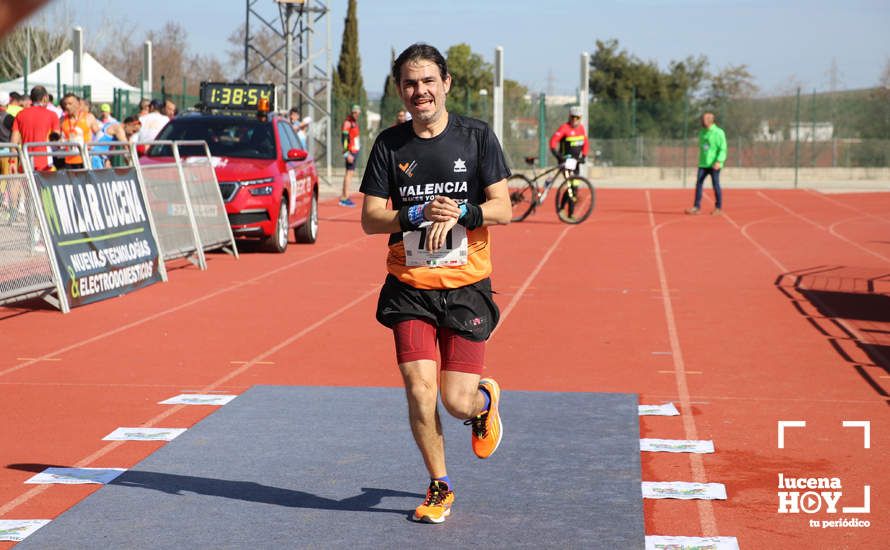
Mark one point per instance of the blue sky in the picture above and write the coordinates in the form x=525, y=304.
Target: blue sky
x=784, y=43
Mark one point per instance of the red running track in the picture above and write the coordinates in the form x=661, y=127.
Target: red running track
x=771, y=312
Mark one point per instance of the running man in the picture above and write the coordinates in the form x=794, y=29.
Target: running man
x=446, y=177
x=711, y=157
x=570, y=142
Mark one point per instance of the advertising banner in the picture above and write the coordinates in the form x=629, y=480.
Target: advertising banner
x=100, y=232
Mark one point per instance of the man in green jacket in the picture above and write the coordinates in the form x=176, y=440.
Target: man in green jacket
x=712, y=155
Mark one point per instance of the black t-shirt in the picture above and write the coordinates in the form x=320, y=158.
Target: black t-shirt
x=458, y=163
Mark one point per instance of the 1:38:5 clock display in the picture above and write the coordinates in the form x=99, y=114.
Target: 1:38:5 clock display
x=218, y=95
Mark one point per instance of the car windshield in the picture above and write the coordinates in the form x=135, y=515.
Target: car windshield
x=237, y=138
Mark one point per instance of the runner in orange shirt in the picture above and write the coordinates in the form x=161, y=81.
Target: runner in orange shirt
x=77, y=126
x=446, y=177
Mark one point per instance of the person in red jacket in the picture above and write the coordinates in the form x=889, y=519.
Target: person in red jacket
x=570, y=139
x=351, y=147
x=35, y=124
x=570, y=142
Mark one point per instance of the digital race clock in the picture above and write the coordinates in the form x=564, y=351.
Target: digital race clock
x=236, y=97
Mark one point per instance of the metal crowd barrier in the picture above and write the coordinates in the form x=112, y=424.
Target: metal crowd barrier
x=186, y=203
x=27, y=264
x=186, y=212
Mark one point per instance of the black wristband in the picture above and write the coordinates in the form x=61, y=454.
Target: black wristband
x=473, y=219
x=404, y=220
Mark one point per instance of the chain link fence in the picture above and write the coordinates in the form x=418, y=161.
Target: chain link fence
x=816, y=130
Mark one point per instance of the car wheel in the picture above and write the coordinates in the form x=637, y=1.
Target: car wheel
x=308, y=232
x=277, y=242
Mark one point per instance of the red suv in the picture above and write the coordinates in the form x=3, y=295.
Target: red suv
x=267, y=180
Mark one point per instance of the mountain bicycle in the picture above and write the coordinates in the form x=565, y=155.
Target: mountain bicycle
x=574, y=197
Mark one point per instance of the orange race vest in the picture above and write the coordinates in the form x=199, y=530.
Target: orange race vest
x=78, y=131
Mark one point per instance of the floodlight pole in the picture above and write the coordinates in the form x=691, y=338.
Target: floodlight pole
x=246, y=41
x=583, y=98
x=146, y=69
x=497, y=117
x=288, y=56
x=27, y=70
x=307, y=84
x=78, y=56
x=328, y=106
x=583, y=89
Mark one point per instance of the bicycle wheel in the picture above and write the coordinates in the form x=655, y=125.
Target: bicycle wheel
x=574, y=200
x=522, y=196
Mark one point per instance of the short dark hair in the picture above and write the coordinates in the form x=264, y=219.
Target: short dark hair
x=294, y=111
x=15, y=96
x=38, y=93
x=131, y=119
x=66, y=96
x=416, y=52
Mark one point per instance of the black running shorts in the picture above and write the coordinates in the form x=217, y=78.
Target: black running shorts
x=469, y=310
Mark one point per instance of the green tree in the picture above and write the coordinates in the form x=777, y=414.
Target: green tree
x=348, y=88
x=635, y=97
x=390, y=103
x=45, y=46
x=728, y=95
x=469, y=74
x=733, y=82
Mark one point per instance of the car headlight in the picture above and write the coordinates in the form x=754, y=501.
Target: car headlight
x=260, y=190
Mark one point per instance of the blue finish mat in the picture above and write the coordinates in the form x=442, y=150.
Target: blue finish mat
x=325, y=467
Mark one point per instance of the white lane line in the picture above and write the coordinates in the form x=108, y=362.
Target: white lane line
x=824, y=228
x=847, y=206
x=179, y=307
x=530, y=278
x=846, y=325
x=705, y=509
x=28, y=495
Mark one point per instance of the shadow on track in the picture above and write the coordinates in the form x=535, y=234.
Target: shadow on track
x=851, y=308
x=173, y=484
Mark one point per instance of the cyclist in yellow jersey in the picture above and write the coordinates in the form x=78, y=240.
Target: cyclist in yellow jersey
x=446, y=177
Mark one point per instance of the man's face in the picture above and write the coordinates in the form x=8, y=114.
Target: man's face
x=423, y=91
x=71, y=105
x=169, y=109
x=707, y=120
x=294, y=117
x=400, y=117
x=131, y=128
x=574, y=121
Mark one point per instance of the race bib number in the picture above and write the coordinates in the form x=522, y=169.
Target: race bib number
x=454, y=252
x=571, y=164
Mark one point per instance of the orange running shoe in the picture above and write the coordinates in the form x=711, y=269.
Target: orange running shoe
x=437, y=505
x=487, y=427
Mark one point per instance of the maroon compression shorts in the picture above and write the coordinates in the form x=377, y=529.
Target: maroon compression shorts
x=416, y=339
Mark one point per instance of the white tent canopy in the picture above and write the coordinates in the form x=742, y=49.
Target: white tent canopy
x=101, y=81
